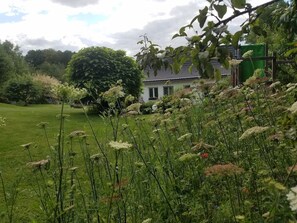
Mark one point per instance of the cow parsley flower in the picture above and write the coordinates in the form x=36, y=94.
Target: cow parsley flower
x=253, y=131
x=293, y=108
x=292, y=198
x=119, y=145
x=185, y=137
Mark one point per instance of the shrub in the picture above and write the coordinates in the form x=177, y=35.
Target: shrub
x=46, y=84
x=22, y=90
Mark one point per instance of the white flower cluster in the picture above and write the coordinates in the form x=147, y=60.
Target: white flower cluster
x=2, y=121
x=66, y=92
x=292, y=198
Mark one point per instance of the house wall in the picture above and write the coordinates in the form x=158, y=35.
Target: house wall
x=177, y=84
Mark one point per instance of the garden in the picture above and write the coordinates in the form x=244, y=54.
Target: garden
x=226, y=156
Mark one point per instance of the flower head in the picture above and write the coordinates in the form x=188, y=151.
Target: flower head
x=223, y=170
x=253, y=131
x=293, y=108
x=185, y=137
x=119, y=145
x=292, y=198
x=187, y=157
x=248, y=54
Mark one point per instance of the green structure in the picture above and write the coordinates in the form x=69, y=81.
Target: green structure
x=247, y=67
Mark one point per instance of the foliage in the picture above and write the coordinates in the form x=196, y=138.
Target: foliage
x=227, y=157
x=279, y=40
x=49, y=62
x=22, y=89
x=97, y=68
x=12, y=63
x=211, y=32
x=46, y=84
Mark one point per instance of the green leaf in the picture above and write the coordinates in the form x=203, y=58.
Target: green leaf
x=235, y=38
x=221, y=10
x=239, y=4
x=202, y=16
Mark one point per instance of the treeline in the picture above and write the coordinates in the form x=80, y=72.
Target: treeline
x=29, y=78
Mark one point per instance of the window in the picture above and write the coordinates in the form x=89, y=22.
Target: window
x=168, y=90
x=153, y=93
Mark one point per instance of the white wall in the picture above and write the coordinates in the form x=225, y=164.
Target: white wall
x=177, y=84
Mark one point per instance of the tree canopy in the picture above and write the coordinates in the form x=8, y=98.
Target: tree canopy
x=97, y=68
x=210, y=26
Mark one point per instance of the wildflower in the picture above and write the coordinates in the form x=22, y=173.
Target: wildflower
x=2, y=121
x=27, y=145
x=185, y=137
x=292, y=198
x=119, y=145
x=223, y=170
x=293, y=108
x=202, y=145
x=113, y=94
x=187, y=156
x=134, y=107
x=77, y=133
x=204, y=155
x=42, y=124
x=274, y=84
x=73, y=169
x=253, y=131
x=129, y=98
x=39, y=164
x=185, y=102
x=248, y=54
x=234, y=62
x=148, y=220
x=66, y=92
x=96, y=156
x=273, y=183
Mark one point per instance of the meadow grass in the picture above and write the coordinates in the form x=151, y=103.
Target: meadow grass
x=229, y=156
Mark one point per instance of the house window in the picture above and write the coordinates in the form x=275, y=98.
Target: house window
x=153, y=93
x=168, y=90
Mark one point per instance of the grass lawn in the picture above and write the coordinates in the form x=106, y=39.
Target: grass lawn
x=21, y=128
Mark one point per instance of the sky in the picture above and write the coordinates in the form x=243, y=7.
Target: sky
x=76, y=24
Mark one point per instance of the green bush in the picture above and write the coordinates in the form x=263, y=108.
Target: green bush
x=22, y=90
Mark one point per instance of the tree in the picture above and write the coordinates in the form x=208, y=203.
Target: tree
x=12, y=62
x=97, y=68
x=49, y=62
x=211, y=29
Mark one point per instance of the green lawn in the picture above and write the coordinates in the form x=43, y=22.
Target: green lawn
x=21, y=128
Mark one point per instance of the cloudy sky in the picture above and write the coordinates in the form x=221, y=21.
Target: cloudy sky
x=75, y=24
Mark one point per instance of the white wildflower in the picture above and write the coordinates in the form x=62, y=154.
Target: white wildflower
x=185, y=137
x=119, y=145
x=148, y=220
x=248, y=54
x=293, y=108
x=292, y=198
x=274, y=84
x=253, y=131
x=234, y=62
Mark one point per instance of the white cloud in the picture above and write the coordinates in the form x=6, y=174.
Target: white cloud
x=37, y=24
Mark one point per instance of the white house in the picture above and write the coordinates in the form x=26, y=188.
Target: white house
x=166, y=82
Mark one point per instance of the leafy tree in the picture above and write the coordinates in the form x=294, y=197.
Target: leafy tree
x=49, y=62
x=97, y=68
x=12, y=62
x=211, y=29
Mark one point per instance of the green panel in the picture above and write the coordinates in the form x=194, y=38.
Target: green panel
x=247, y=68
